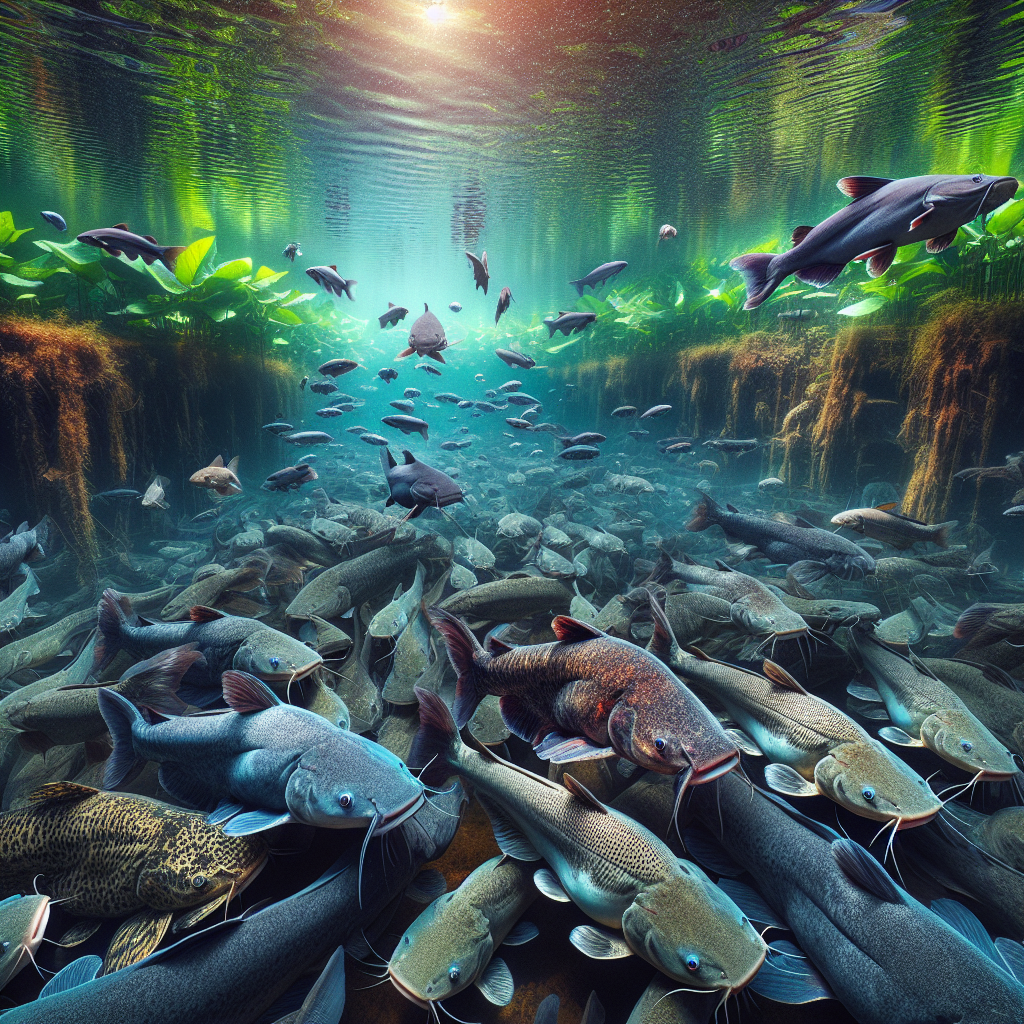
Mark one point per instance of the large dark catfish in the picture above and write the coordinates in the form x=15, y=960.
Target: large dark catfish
x=232, y=972
x=887, y=957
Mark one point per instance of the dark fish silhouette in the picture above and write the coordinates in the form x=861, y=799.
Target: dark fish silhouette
x=569, y=323
x=392, y=316
x=291, y=478
x=119, y=239
x=407, y=425
x=323, y=387
x=510, y=358
x=388, y=374
x=336, y=367
x=291, y=250
x=55, y=219
x=330, y=280
x=480, y=273
x=415, y=485
x=426, y=338
x=885, y=214
x=599, y=275
x=504, y=300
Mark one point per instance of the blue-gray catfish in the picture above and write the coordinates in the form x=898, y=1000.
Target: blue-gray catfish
x=417, y=486
x=885, y=214
x=264, y=763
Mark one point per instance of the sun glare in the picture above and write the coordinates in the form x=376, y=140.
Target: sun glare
x=436, y=12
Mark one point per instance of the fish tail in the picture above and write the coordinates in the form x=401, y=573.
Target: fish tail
x=704, y=515
x=942, y=532
x=153, y=683
x=550, y=325
x=169, y=257
x=435, y=748
x=120, y=714
x=754, y=268
x=972, y=619
x=115, y=615
x=466, y=656
x=579, y=286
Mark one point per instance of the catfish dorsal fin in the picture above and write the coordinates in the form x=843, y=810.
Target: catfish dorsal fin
x=581, y=792
x=887, y=506
x=233, y=465
x=571, y=631
x=218, y=463
x=780, y=677
x=857, y=186
x=246, y=694
x=496, y=646
x=63, y=791
x=409, y=458
x=800, y=233
x=334, y=267
x=663, y=639
x=732, y=508
x=201, y=613
x=698, y=653
x=120, y=227
x=150, y=238
x=391, y=305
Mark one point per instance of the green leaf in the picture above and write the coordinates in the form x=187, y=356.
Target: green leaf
x=8, y=232
x=233, y=270
x=907, y=252
x=930, y=267
x=264, y=277
x=191, y=259
x=553, y=349
x=168, y=281
x=19, y=282
x=863, y=307
x=1005, y=219
x=69, y=254
x=284, y=316
x=150, y=306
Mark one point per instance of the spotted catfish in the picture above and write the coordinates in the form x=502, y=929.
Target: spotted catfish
x=589, y=695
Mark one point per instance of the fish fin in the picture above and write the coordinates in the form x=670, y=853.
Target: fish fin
x=581, y=792
x=150, y=238
x=663, y=640
x=598, y=944
x=410, y=459
x=80, y=932
x=548, y=885
x=225, y=810
x=898, y=737
x=572, y=631
x=744, y=742
x=781, y=678
x=35, y=742
x=436, y=743
x=547, y=1012
x=707, y=851
x=521, y=719
x=784, y=779
x=185, y=787
x=169, y=257
x=820, y=274
x=751, y=902
x=593, y=1012
x=790, y=977
x=887, y=506
x=522, y=933
x=507, y=835
x=325, y=1001
x=120, y=715
x=249, y=822
x=755, y=267
x=868, y=693
x=405, y=353
x=121, y=227
x=970, y=621
x=940, y=242
x=857, y=186
x=78, y=972
x=246, y=694
x=881, y=260
x=698, y=653
x=497, y=647
x=495, y=984
x=136, y=938
x=961, y=920
x=115, y=614
x=864, y=871
x=800, y=233
x=427, y=886
x=153, y=683
x=232, y=466
x=808, y=571
x=436, y=355
x=999, y=676
x=197, y=914
x=202, y=613
x=732, y=508
x=1013, y=956
x=61, y=792
x=465, y=654
x=560, y=749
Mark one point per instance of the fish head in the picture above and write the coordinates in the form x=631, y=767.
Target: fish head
x=275, y=657
x=958, y=737
x=350, y=782
x=974, y=194
x=851, y=519
x=690, y=930
x=750, y=618
x=197, y=863
x=442, y=952
x=850, y=566
x=23, y=921
x=847, y=613
x=867, y=780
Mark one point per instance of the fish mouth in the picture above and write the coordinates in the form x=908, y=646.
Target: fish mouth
x=250, y=875
x=423, y=1004
x=294, y=676
x=39, y=923
x=396, y=818
x=913, y=822
x=749, y=976
x=716, y=771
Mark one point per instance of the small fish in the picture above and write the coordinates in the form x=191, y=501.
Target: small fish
x=374, y=439
x=330, y=280
x=392, y=619
x=511, y=385
x=624, y=412
x=770, y=483
x=430, y=369
x=654, y=411
x=304, y=437
x=799, y=314
x=728, y=44
x=329, y=412
x=392, y=316
x=303, y=382
x=882, y=523
x=291, y=478
x=568, y=323
x=599, y=275
x=387, y=374
x=278, y=428
x=412, y=393
x=154, y=496
x=639, y=435
x=678, y=447
x=504, y=301
x=512, y=358
x=519, y=424
x=426, y=337
x=291, y=250
x=403, y=404
x=55, y=219
x=119, y=239
x=665, y=232
x=732, y=445
x=323, y=387
x=579, y=451
x=407, y=425
x=336, y=367
x=455, y=307
x=480, y=273
x=218, y=477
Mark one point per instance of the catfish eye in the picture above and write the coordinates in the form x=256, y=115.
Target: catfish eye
x=345, y=800
x=868, y=793
x=453, y=974
x=966, y=746
x=977, y=179
x=693, y=962
x=659, y=744
x=274, y=662
x=198, y=881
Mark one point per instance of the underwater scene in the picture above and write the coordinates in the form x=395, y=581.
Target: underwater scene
x=511, y=512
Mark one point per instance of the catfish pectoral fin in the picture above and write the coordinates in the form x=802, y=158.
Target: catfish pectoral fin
x=784, y=779
x=194, y=916
x=135, y=939
x=80, y=932
x=599, y=944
